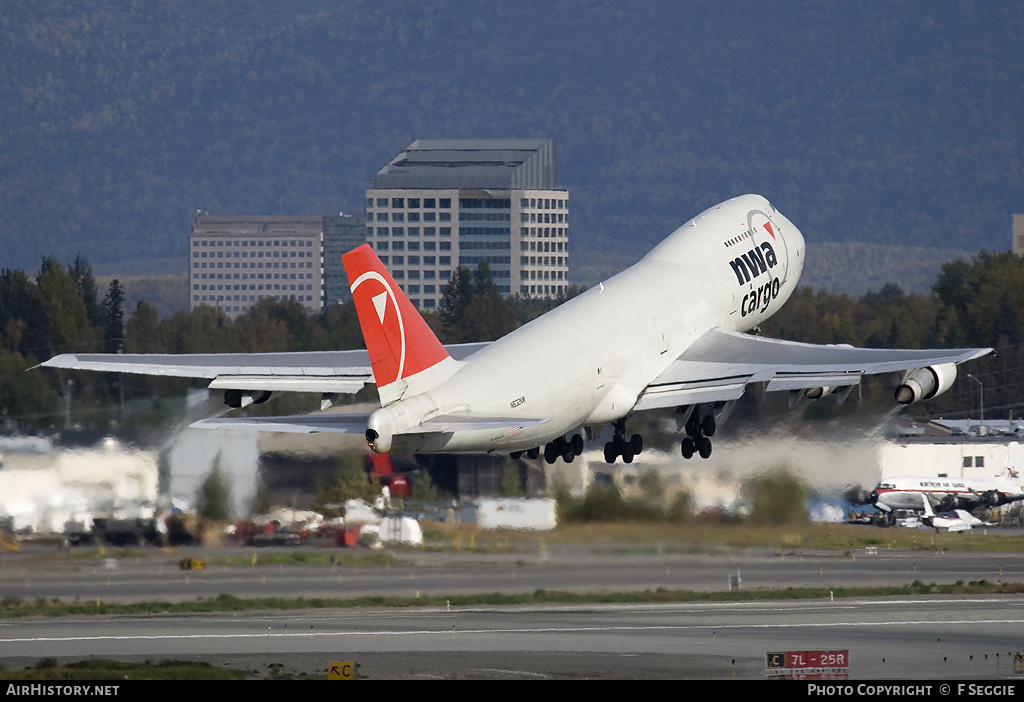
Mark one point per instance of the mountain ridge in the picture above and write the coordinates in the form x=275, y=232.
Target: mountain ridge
x=873, y=123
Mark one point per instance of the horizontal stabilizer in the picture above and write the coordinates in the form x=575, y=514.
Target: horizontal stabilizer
x=356, y=423
x=463, y=422
x=294, y=424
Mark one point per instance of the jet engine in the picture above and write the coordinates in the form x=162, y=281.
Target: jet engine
x=926, y=383
x=244, y=398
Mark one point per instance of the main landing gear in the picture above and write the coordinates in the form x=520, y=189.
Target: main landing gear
x=698, y=432
x=620, y=446
x=566, y=449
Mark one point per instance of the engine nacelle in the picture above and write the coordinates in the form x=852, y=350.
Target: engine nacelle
x=816, y=393
x=244, y=398
x=926, y=383
x=380, y=429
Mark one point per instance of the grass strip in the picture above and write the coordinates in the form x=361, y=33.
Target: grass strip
x=12, y=606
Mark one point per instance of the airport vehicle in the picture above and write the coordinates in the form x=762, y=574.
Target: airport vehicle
x=665, y=334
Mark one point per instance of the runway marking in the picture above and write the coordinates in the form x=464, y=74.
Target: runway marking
x=532, y=630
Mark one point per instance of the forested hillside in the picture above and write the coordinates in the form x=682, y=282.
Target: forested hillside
x=876, y=122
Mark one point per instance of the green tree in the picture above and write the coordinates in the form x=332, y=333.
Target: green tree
x=1005, y=326
x=113, y=318
x=23, y=320
x=81, y=272
x=351, y=482
x=680, y=509
x=511, y=483
x=213, y=498
x=474, y=308
x=423, y=488
x=143, y=333
x=336, y=328
x=66, y=316
x=27, y=398
x=778, y=497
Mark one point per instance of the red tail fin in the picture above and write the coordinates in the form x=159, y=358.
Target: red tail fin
x=398, y=339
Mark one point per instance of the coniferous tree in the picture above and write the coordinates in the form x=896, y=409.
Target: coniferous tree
x=213, y=498
x=81, y=272
x=66, y=315
x=113, y=316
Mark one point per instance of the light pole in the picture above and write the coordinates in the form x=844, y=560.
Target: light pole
x=981, y=397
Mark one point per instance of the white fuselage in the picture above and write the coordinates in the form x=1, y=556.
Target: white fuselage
x=586, y=362
x=907, y=492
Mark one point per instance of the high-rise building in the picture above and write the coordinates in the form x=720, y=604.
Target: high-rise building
x=445, y=203
x=235, y=261
x=341, y=233
x=1018, y=234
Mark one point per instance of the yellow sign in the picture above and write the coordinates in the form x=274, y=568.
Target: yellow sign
x=341, y=670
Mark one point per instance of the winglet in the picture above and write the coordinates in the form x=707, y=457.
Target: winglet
x=401, y=345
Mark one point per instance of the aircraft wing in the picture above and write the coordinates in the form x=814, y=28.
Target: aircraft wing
x=313, y=371
x=720, y=364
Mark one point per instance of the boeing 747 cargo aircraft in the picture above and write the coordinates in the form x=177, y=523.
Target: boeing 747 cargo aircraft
x=668, y=333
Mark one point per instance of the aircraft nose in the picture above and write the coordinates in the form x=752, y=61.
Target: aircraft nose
x=874, y=497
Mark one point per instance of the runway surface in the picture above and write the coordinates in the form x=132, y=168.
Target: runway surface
x=921, y=637
x=897, y=638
